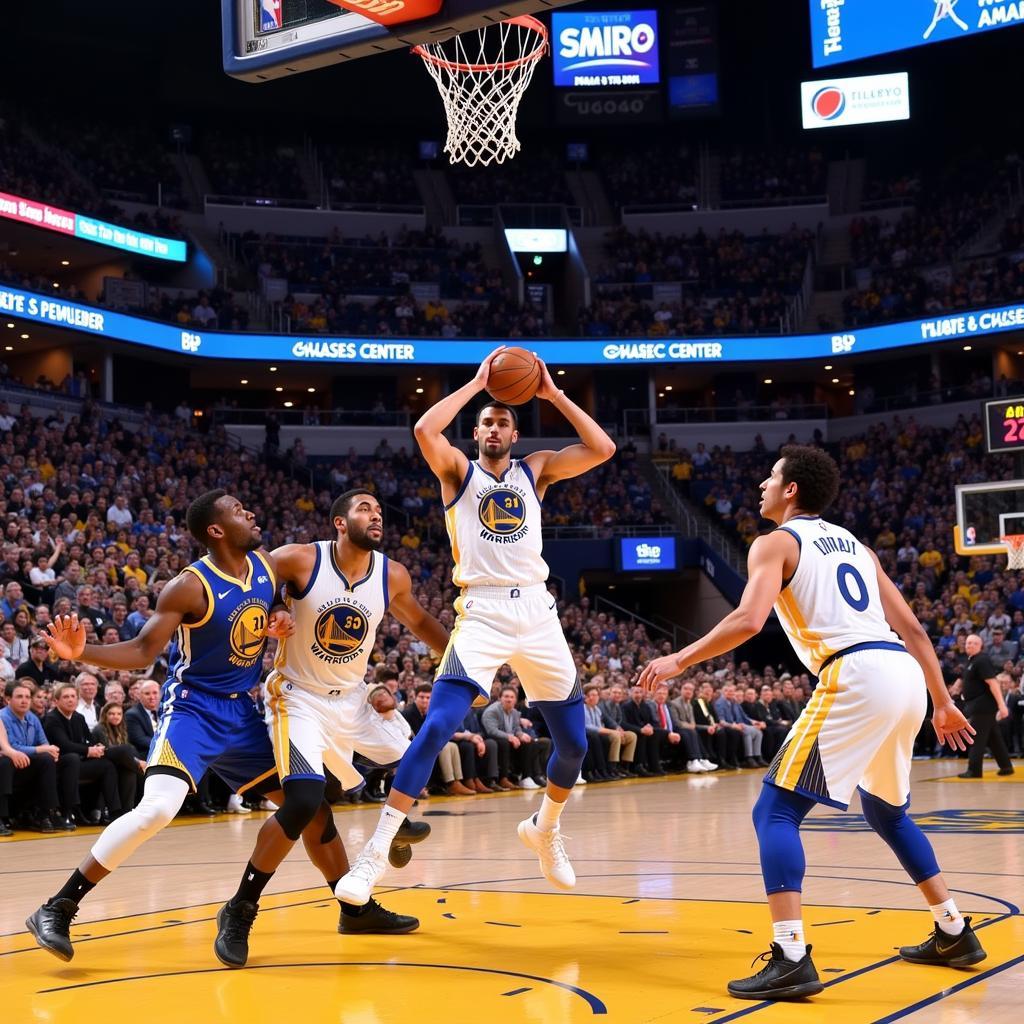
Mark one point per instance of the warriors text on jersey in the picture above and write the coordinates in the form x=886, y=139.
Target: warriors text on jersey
x=832, y=601
x=223, y=651
x=335, y=624
x=495, y=529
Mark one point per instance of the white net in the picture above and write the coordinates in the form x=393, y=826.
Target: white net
x=481, y=76
x=1014, y=550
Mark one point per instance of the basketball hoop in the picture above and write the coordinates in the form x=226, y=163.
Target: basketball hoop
x=481, y=77
x=1014, y=550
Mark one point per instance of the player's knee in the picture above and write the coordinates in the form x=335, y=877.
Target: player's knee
x=154, y=812
x=883, y=817
x=302, y=800
x=436, y=731
x=573, y=747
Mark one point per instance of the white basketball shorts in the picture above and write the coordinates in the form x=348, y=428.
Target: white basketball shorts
x=858, y=729
x=312, y=730
x=513, y=625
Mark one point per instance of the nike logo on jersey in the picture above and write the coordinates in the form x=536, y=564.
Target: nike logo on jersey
x=220, y=597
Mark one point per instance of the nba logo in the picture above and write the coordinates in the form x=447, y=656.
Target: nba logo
x=270, y=15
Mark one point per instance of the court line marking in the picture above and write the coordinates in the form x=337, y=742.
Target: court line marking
x=945, y=993
x=597, y=1006
x=1011, y=908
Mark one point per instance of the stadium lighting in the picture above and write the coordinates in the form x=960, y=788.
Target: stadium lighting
x=661, y=394
x=852, y=392
x=288, y=405
x=767, y=380
x=273, y=369
x=65, y=263
x=279, y=389
x=419, y=391
x=244, y=380
x=561, y=373
x=828, y=366
x=668, y=387
x=12, y=325
x=56, y=284
x=24, y=337
x=8, y=348
x=311, y=390
x=967, y=348
x=835, y=380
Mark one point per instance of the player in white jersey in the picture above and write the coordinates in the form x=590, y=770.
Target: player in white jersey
x=504, y=611
x=337, y=592
x=851, y=627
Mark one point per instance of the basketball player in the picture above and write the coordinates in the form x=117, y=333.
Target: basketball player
x=218, y=612
x=504, y=613
x=851, y=627
x=338, y=592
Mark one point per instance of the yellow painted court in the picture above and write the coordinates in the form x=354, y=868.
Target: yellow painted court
x=668, y=908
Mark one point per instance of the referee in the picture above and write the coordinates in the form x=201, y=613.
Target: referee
x=984, y=707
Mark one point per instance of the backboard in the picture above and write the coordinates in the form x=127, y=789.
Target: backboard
x=267, y=39
x=984, y=513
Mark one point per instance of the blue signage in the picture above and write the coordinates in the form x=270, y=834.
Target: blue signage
x=56, y=312
x=605, y=48
x=129, y=239
x=844, y=30
x=647, y=554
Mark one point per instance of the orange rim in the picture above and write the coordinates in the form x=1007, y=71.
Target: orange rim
x=523, y=21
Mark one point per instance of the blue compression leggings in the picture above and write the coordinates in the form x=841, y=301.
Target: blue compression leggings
x=779, y=813
x=449, y=702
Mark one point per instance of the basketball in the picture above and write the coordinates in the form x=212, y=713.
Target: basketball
x=514, y=376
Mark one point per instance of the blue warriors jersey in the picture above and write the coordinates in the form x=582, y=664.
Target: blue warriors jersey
x=222, y=653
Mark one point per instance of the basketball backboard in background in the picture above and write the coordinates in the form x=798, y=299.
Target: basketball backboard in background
x=984, y=513
x=268, y=39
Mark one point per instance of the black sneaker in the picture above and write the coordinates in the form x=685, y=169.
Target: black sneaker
x=779, y=978
x=234, y=922
x=1005, y=771
x=375, y=920
x=51, y=926
x=963, y=950
x=41, y=823
x=5, y=828
x=409, y=833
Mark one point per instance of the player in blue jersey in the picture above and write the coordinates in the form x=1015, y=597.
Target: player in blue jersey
x=218, y=612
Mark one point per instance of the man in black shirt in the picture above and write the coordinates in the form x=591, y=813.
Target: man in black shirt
x=38, y=667
x=985, y=706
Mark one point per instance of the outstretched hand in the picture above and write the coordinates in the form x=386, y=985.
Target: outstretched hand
x=66, y=637
x=659, y=670
x=951, y=727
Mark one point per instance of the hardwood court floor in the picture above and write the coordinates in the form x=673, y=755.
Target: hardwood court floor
x=668, y=907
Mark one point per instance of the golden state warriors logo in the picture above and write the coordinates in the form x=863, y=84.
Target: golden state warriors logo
x=248, y=633
x=951, y=822
x=502, y=515
x=340, y=632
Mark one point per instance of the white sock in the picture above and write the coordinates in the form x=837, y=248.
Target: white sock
x=390, y=822
x=790, y=936
x=947, y=917
x=549, y=813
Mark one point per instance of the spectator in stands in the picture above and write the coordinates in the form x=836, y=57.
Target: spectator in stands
x=142, y=718
x=81, y=763
x=479, y=755
x=88, y=706
x=732, y=716
x=637, y=713
x=502, y=722
x=36, y=781
x=39, y=667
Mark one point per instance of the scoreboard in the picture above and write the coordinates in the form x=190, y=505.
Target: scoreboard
x=1004, y=424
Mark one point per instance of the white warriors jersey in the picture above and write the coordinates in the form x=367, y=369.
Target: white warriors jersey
x=335, y=624
x=494, y=528
x=832, y=601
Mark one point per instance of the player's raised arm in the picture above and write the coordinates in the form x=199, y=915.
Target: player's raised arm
x=445, y=460
x=594, y=448
x=183, y=598
x=409, y=612
x=950, y=725
x=765, y=572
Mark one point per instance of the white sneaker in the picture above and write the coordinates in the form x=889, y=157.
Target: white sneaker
x=268, y=805
x=581, y=781
x=695, y=766
x=708, y=766
x=357, y=886
x=550, y=848
x=527, y=783
x=235, y=805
